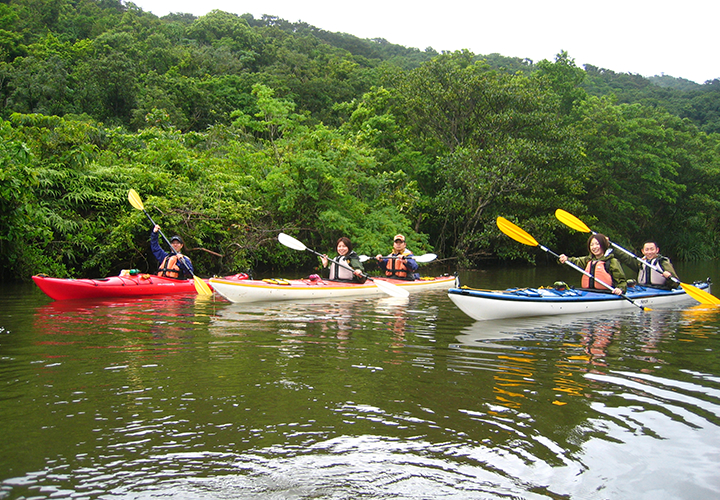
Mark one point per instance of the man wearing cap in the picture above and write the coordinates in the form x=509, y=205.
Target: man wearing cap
x=174, y=264
x=400, y=263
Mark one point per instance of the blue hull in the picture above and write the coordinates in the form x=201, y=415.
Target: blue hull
x=522, y=302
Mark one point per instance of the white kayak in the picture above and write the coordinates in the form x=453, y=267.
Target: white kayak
x=522, y=302
x=239, y=289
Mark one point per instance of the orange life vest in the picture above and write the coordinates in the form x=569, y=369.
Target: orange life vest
x=169, y=268
x=598, y=270
x=396, y=267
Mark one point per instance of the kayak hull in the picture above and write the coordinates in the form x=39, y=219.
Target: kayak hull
x=518, y=303
x=140, y=285
x=247, y=291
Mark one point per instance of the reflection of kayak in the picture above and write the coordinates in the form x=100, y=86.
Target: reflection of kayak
x=138, y=285
x=521, y=302
x=500, y=328
x=244, y=290
x=492, y=329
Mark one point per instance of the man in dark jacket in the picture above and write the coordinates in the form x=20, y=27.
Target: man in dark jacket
x=400, y=264
x=173, y=264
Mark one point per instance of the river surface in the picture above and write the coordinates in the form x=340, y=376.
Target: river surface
x=368, y=398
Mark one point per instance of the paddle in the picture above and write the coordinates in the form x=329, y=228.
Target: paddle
x=520, y=235
x=200, y=286
x=384, y=286
x=700, y=295
x=420, y=259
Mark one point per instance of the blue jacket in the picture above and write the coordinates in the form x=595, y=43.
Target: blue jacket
x=184, y=264
x=412, y=266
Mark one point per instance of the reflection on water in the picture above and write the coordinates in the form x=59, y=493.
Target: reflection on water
x=355, y=398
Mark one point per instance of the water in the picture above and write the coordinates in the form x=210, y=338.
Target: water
x=187, y=398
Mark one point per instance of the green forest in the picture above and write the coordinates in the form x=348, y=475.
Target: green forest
x=233, y=129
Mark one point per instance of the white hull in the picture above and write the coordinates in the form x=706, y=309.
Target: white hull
x=247, y=291
x=492, y=305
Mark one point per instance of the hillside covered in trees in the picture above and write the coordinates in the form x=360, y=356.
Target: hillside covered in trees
x=233, y=129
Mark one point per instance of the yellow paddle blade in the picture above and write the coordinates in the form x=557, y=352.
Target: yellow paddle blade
x=570, y=220
x=134, y=199
x=700, y=295
x=201, y=287
x=515, y=232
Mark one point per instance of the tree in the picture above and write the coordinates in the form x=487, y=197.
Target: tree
x=653, y=176
x=223, y=28
x=501, y=148
x=564, y=78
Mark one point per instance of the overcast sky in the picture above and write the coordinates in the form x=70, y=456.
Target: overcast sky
x=649, y=38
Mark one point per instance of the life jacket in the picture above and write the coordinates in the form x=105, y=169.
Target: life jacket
x=651, y=277
x=338, y=269
x=169, y=268
x=396, y=268
x=598, y=270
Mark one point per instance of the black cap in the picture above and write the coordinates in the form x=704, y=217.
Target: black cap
x=176, y=237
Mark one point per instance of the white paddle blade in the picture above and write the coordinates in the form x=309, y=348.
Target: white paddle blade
x=390, y=289
x=425, y=258
x=420, y=259
x=291, y=242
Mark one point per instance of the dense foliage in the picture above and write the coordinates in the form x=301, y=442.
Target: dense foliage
x=233, y=129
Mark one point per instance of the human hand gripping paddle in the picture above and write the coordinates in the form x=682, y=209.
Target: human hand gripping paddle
x=200, y=286
x=520, y=235
x=420, y=259
x=700, y=295
x=384, y=286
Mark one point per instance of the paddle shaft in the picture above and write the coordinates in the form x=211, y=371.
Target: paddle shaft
x=578, y=268
x=200, y=286
x=161, y=233
x=644, y=262
x=386, y=287
x=420, y=259
x=167, y=241
x=520, y=235
x=338, y=263
x=700, y=295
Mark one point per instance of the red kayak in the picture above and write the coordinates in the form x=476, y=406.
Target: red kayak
x=138, y=285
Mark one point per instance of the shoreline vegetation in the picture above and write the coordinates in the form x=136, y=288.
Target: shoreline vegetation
x=234, y=129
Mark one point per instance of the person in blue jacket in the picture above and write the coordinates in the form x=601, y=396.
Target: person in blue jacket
x=173, y=264
x=400, y=263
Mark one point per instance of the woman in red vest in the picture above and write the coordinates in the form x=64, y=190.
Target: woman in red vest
x=601, y=264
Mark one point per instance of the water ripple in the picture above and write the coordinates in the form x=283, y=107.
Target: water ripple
x=356, y=399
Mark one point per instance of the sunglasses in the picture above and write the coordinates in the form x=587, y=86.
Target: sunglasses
x=399, y=241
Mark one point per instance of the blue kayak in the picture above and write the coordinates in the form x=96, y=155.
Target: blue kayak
x=523, y=302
